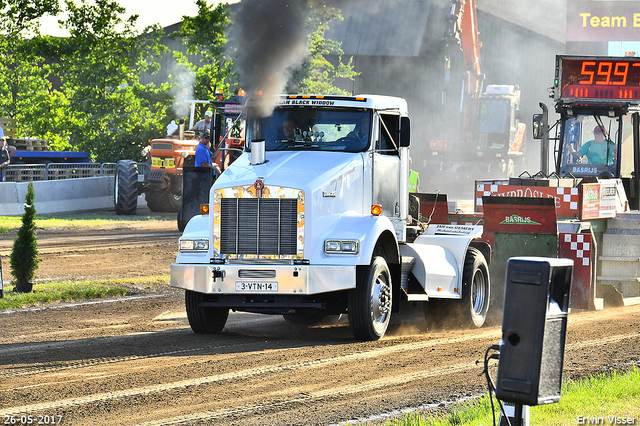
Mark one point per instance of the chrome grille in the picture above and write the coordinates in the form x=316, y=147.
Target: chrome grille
x=259, y=226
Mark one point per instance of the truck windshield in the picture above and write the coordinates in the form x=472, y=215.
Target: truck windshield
x=493, y=116
x=321, y=129
x=590, y=145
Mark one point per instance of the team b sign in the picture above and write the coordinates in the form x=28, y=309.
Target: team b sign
x=603, y=20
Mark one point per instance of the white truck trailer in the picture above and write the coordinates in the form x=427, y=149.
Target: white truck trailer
x=313, y=221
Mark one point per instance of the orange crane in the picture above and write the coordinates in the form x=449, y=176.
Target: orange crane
x=482, y=136
x=463, y=31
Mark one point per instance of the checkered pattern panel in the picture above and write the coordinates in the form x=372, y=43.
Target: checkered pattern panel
x=579, y=245
x=566, y=198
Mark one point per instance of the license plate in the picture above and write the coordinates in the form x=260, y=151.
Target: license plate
x=262, y=286
x=160, y=162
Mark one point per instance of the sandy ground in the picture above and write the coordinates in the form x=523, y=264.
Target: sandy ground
x=136, y=361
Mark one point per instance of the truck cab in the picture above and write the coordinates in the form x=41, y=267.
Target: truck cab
x=311, y=221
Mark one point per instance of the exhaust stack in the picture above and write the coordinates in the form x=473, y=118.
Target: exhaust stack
x=181, y=129
x=258, y=152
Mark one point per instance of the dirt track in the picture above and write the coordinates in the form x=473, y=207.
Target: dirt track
x=135, y=361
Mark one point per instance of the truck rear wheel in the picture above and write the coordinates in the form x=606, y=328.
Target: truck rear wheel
x=370, y=302
x=204, y=319
x=125, y=195
x=475, y=288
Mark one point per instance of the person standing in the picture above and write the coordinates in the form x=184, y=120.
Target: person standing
x=414, y=179
x=204, y=156
x=203, y=124
x=5, y=157
x=12, y=149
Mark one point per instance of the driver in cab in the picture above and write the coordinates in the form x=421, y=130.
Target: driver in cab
x=597, y=150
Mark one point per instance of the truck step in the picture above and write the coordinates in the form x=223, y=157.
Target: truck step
x=407, y=266
x=416, y=292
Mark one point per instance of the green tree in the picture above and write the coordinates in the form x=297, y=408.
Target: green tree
x=111, y=114
x=204, y=37
x=25, y=93
x=24, y=255
x=317, y=75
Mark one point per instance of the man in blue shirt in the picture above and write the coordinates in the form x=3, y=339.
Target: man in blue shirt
x=204, y=155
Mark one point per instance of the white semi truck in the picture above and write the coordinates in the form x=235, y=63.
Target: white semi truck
x=312, y=221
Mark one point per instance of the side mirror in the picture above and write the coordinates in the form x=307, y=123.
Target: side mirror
x=537, y=126
x=405, y=132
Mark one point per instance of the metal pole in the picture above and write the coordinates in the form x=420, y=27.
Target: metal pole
x=544, y=147
x=517, y=417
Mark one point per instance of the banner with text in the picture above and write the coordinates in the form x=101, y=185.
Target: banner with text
x=589, y=20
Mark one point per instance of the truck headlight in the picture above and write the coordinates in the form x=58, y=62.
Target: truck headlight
x=194, y=245
x=341, y=246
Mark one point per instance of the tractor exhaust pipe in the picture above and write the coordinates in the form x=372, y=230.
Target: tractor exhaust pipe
x=182, y=129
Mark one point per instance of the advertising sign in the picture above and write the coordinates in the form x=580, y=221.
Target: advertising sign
x=596, y=21
x=598, y=200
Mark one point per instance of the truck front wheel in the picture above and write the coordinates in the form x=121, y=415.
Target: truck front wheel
x=475, y=288
x=204, y=319
x=370, y=302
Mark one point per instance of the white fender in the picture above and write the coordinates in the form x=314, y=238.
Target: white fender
x=439, y=256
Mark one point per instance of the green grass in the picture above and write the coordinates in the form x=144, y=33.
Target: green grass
x=74, y=291
x=600, y=396
x=76, y=220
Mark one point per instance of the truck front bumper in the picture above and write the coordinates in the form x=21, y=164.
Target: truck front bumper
x=261, y=279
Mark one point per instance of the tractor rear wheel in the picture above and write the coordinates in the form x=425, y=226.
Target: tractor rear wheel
x=125, y=195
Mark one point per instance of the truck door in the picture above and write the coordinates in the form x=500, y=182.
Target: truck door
x=386, y=164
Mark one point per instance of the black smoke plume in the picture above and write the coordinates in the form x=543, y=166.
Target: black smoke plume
x=270, y=41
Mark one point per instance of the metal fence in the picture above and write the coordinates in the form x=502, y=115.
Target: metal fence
x=57, y=171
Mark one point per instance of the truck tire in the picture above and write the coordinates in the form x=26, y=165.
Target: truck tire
x=125, y=195
x=166, y=200
x=369, y=303
x=204, y=319
x=475, y=289
x=181, y=222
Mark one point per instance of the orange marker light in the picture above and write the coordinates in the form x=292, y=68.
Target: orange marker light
x=376, y=209
x=204, y=208
x=439, y=288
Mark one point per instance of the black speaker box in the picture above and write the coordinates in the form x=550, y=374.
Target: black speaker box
x=534, y=327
